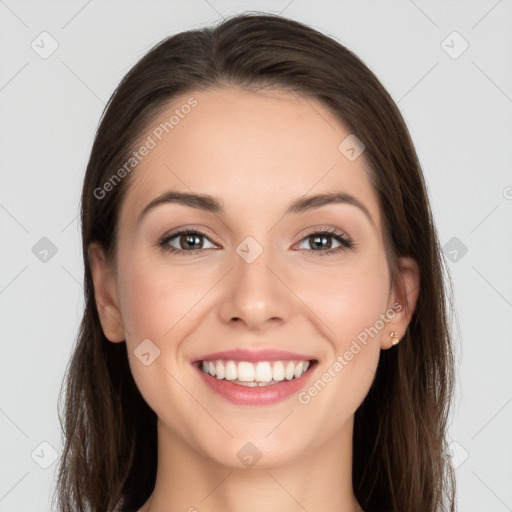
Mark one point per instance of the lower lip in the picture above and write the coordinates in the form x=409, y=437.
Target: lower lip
x=258, y=395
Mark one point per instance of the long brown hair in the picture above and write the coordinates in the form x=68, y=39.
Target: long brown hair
x=399, y=457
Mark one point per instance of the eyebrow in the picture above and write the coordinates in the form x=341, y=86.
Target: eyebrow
x=209, y=203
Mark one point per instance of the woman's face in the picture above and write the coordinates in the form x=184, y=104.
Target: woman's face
x=260, y=276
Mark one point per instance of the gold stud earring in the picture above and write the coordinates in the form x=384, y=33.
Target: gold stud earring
x=395, y=338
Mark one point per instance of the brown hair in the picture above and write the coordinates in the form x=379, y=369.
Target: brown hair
x=399, y=457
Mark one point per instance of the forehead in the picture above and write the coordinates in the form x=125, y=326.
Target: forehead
x=251, y=149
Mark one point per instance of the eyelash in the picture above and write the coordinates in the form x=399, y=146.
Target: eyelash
x=345, y=241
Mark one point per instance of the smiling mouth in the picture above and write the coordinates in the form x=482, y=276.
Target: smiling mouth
x=252, y=374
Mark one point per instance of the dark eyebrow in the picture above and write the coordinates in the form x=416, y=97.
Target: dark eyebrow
x=308, y=203
x=211, y=204
x=200, y=201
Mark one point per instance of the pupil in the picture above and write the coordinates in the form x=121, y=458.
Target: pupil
x=321, y=241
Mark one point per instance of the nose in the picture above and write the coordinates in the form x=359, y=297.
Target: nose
x=254, y=295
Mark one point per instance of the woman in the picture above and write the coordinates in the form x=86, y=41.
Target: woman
x=265, y=324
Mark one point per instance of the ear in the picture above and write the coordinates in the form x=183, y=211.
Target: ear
x=402, y=300
x=105, y=294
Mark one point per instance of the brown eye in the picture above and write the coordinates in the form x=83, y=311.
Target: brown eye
x=317, y=242
x=186, y=241
x=191, y=241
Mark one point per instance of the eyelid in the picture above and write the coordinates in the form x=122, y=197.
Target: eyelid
x=321, y=227
x=186, y=229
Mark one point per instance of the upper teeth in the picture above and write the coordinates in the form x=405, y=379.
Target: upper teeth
x=260, y=372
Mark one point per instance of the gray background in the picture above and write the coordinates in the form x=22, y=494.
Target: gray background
x=459, y=111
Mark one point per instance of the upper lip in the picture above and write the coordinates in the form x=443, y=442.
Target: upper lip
x=254, y=355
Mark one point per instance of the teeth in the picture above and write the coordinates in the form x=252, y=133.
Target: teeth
x=289, y=373
x=230, y=371
x=278, y=371
x=245, y=372
x=263, y=373
x=219, y=370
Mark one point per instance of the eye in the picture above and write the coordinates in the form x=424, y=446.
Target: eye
x=326, y=241
x=321, y=243
x=189, y=241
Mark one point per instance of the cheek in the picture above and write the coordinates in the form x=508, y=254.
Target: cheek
x=350, y=308
x=347, y=307
x=349, y=302
x=347, y=298
x=156, y=303
x=155, y=297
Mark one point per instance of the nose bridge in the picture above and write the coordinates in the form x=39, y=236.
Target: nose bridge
x=254, y=295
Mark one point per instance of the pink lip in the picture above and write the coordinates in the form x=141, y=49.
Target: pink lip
x=259, y=395
x=254, y=355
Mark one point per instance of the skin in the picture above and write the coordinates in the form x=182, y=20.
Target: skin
x=255, y=152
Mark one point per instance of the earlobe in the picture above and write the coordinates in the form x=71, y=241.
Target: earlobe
x=403, y=301
x=105, y=294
